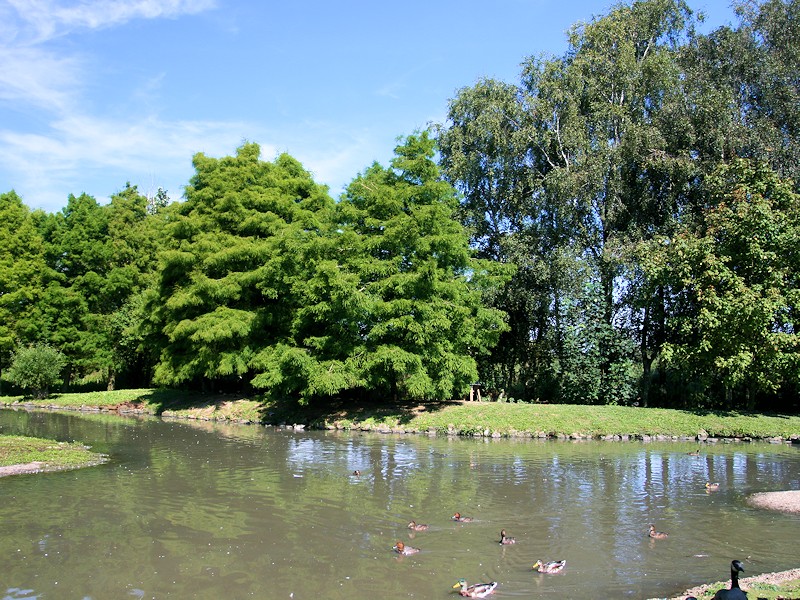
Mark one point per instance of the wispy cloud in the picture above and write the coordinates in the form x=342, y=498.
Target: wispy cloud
x=53, y=164
x=46, y=19
x=44, y=88
x=35, y=76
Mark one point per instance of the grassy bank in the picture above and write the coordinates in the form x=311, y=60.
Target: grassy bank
x=768, y=586
x=37, y=454
x=455, y=418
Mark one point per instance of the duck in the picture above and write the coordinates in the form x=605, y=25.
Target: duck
x=554, y=566
x=476, y=590
x=735, y=593
x=356, y=473
x=712, y=487
x=460, y=519
x=401, y=548
x=414, y=526
x=504, y=539
x=657, y=535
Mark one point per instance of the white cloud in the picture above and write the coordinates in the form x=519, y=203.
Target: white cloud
x=51, y=18
x=45, y=87
x=34, y=76
x=50, y=166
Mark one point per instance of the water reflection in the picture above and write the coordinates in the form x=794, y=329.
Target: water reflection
x=204, y=510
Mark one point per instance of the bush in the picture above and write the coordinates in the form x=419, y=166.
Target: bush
x=37, y=368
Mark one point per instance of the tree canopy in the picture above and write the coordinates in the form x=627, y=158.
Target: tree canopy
x=617, y=226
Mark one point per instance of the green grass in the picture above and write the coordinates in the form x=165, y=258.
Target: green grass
x=463, y=418
x=782, y=590
x=566, y=420
x=53, y=455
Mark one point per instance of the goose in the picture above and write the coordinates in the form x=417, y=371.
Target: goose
x=735, y=593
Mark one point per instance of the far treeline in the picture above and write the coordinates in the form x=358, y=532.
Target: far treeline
x=621, y=226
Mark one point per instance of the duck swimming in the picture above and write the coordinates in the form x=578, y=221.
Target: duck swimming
x=735, y=593
x=460, y=519
x=476, y=590
x=657, y=535
x=504, y=539
x=414, y=526
x=401, y=548
x=554, y=566
x=712, y=487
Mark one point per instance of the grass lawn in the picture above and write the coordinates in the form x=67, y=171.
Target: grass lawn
x=43, y=455
x=458, y=418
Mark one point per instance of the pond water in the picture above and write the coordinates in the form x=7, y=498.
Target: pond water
x=201, y=510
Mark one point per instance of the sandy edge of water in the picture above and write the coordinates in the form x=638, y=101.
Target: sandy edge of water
x=782, y=501
x=33, y=467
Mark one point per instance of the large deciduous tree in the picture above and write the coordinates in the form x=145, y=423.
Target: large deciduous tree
x=603, y=165
x=734, y=293
x=744, y=87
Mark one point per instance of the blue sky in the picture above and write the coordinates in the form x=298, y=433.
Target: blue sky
x=97, y=93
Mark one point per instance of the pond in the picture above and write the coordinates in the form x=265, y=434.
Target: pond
x=201, y=510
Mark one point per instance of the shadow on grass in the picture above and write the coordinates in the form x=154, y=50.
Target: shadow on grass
x=163, y=400
x=719, y=412
x=289, y=411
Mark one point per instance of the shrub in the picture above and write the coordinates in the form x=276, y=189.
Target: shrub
x=37, y=368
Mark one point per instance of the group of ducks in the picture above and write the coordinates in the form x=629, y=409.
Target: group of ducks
x=481, y=590
x=477, y=590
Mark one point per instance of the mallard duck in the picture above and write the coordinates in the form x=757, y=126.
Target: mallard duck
x=460, y=519
x=356, y=473
x=735, y=593
x=476, y=590
x=504, y=539
x=401, y=548
x=712, y=487
x=554, y=566
x=658, y=535
x=414, y=526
